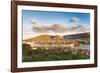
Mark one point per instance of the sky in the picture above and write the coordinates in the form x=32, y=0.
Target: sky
x=54, y=23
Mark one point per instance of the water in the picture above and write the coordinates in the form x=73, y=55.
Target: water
x=84, y=46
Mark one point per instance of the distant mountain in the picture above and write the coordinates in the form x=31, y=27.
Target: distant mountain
x=57, y=37
x=77, y=36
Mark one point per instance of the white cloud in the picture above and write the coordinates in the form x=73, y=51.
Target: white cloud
x=74, y=19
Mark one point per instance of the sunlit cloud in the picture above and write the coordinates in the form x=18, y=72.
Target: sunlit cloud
x=57, y=28
x=54, y=28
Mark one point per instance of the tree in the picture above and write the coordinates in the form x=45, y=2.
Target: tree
x=26, y=49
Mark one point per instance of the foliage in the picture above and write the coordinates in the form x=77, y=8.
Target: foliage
x=26, y=49
x=42, y=54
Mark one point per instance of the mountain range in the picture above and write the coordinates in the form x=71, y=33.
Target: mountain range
x=58, y=37
x=77, y=36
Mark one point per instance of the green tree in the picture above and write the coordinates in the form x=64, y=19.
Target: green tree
x=26, y=49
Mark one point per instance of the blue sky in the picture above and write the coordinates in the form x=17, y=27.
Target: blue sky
x=48, y=18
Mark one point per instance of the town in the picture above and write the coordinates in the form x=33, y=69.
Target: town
x=61, y=45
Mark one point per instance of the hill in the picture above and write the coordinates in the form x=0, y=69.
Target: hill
x=77, y=36
x=57, y=37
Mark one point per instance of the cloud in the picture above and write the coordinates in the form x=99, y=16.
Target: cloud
x=38, y=27
x=33, y=21
x=36, y=23
x=74, y=19
x=82, y=28
x=42, y=29
x=57, y=28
